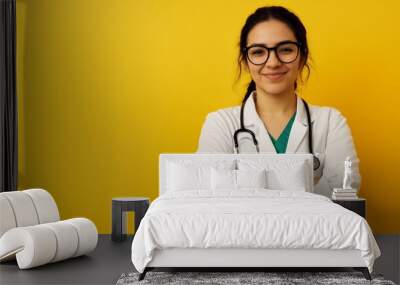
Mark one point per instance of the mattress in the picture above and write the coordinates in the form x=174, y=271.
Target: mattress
x=250, y=219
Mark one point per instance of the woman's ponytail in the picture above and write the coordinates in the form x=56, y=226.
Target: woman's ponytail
x=250, y=88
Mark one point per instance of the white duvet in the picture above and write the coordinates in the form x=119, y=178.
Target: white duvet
x=250, y=218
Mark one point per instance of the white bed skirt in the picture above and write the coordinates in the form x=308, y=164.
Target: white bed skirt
x=235, y=257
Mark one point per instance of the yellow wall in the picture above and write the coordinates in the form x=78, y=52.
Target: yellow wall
x=105, y=86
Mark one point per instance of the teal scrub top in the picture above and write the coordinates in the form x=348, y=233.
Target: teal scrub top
x=281, y=143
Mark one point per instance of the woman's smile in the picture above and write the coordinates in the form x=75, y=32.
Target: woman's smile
x=274, y=76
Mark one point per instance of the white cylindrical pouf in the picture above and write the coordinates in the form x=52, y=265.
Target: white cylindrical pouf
x=23, y=207
x=67, y=239
x=87, y=233
x=34, y=245
x=7, y=218
x=45, y=205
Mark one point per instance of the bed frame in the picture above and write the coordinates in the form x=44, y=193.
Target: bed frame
x=248, y=259
x=240, y=260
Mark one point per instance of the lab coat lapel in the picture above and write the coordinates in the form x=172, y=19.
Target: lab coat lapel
x=299, y=128
x=253, y=122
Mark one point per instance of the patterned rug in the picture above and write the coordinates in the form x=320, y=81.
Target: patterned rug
x=243, y=278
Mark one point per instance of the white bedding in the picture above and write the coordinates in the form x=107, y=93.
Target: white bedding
x=250, y=218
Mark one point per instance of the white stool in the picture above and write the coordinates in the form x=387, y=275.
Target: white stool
x=32, y=233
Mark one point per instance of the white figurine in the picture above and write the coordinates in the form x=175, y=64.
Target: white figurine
x=347, y=174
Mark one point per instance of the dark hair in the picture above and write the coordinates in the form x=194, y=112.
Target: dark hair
x=281, y=14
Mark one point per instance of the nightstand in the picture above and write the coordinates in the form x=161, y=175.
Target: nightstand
x=355, y=205
x=119, y=208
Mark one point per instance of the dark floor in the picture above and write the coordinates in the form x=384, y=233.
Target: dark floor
x=102, y=266
x=111, y=259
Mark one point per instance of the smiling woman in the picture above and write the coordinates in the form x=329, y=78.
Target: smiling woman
x=273, y=53
x=273, y=48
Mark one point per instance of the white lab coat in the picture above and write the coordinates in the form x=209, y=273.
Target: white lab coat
x=332, y=140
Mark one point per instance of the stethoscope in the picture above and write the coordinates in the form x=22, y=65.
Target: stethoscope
x=242, y=129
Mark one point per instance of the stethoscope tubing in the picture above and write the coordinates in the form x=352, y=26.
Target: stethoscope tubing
x=242, y=129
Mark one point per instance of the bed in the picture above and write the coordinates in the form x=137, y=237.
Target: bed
x=245, y=211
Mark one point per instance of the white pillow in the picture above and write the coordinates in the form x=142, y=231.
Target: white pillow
x=251, y=178
x=295, y=178
x=290, y=174
x=188, y=174
x=223, y=179
x=186, y=177
x=236, y=179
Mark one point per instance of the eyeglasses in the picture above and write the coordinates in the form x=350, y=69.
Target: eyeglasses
x=286, y=52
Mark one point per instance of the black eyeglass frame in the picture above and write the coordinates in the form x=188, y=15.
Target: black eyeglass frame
x=269, y=49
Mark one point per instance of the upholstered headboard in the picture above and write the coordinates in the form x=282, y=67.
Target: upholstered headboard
x=205, y=158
